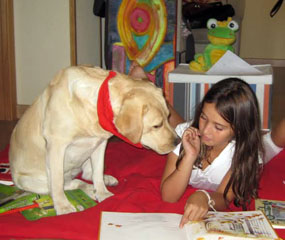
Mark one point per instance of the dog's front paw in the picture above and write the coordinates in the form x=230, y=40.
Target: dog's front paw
x=110, y=180
x=64, y=207
x=102, y=195
x=89, y=190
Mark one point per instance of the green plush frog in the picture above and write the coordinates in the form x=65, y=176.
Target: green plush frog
x=221, y=35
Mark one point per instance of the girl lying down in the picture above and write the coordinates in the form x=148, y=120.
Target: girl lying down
x=222, y=150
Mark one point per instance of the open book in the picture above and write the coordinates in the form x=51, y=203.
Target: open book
x=274, y=211
x=217, y=225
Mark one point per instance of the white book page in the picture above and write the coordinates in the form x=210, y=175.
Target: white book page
x=141, y=226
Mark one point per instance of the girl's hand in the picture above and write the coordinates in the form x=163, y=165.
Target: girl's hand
x=195, y=209
x=191, y=141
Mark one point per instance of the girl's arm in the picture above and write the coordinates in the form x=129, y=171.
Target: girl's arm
x=197, y=204
x=176, y=179
x=278, y=134
x=174, y=118
x=218, y=196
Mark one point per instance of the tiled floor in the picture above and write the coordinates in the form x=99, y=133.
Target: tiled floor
x=278, y=107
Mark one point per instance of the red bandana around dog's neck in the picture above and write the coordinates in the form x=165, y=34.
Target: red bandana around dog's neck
x=105, y=112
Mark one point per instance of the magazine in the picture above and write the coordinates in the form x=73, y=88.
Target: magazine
x=77, y=197
x=274, y=210
x=216, y=225
x=12, y=197
x=35, y=206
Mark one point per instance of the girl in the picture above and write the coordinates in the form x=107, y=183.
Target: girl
x=220, y=151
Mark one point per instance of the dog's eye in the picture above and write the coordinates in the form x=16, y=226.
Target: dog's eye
x=158, y=126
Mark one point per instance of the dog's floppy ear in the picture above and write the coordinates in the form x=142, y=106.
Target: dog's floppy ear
x=129, y=121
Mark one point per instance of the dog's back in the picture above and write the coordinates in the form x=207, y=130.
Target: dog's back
x=28, y=144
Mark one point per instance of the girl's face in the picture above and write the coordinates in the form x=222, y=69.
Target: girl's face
x=215, y=131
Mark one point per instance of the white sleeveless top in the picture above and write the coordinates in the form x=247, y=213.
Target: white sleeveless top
x=211, y=177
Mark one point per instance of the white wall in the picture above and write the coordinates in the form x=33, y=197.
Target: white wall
x=262, y=36
x=42, y=44
x=87, y=34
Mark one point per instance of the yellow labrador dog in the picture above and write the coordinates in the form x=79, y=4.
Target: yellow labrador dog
x=65, y=131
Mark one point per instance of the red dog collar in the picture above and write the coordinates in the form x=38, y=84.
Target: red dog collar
x=105, y=111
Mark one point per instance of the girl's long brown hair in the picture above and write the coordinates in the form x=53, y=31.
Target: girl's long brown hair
x=237, y=104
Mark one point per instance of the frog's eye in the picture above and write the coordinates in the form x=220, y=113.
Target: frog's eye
x=233, y=25
x=212, y=23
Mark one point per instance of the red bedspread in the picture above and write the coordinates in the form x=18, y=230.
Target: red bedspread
x=139, y=172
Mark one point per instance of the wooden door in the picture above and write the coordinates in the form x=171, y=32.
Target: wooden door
x=8, y=97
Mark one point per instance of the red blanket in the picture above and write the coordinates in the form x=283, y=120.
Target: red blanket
x=139, y=172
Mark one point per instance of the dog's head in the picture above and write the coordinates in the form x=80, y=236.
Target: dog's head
x=143, y=117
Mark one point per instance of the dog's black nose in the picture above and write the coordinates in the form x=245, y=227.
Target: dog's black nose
x=177, y=141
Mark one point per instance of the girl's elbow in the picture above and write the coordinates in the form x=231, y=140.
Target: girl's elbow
x=166, y=197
